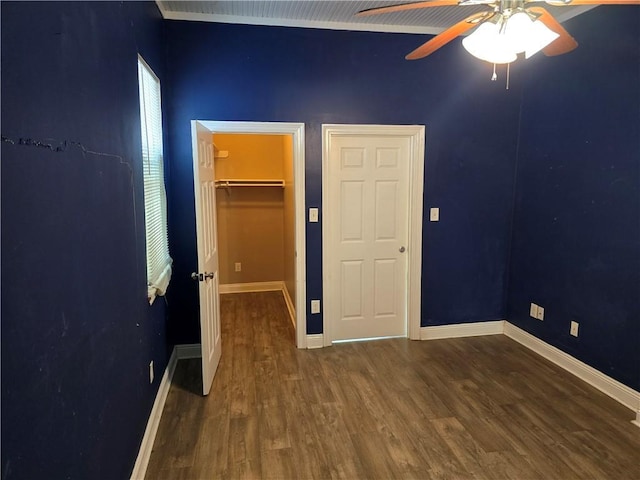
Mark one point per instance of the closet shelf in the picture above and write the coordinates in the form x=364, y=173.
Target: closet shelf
x=217, y=153
x=233, y=182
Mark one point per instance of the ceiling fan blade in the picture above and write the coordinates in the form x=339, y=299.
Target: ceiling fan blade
x=407, y=6
x=449, y=34
x=564, y=43
x=562, y=3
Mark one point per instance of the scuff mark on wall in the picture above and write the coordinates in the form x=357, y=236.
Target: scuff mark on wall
x=61, y=146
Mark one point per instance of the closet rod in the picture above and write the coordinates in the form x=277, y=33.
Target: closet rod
x=228, y=182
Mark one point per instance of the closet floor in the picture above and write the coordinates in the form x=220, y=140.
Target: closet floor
x=467, y=408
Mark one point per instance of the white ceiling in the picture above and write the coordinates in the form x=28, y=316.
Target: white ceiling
x=331, y=14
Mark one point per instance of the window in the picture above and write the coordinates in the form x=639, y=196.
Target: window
x=155, y=197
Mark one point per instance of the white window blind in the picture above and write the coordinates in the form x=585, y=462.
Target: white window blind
x=155, y=198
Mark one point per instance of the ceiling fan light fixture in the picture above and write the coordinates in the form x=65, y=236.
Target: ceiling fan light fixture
x=517, y=30
x=501, y=41
x=540, y=37
x=487, y=43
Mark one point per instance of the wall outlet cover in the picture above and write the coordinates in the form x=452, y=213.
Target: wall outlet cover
x=540, y=315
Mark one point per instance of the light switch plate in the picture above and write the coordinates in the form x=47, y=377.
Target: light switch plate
x=434, y=214
x=315, y=306
x=313, y=215
x=533, y=310
x=574, y=328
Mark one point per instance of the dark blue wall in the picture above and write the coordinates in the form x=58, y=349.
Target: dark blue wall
x=250, y=73
x=77, y=331
x=576, y=236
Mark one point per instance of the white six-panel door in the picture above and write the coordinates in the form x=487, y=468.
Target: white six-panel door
x=207, y=275
x=367, y=213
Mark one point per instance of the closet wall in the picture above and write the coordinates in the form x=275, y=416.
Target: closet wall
x=289, y=233
x=256, y=223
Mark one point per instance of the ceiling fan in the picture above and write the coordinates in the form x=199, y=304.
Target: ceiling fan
x=506, y=29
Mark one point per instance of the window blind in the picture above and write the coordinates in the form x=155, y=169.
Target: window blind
x=155, y=198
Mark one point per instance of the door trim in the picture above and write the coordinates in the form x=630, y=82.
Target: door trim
x=297, y=132
x=416, y=133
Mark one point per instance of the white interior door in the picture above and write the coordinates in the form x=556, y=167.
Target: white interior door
x=207, y=275
x=368, y=214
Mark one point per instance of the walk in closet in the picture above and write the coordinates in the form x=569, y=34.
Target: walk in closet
x=255, y=212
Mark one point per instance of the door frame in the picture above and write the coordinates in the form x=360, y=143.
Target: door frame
x=416, y=134
x=297, y=132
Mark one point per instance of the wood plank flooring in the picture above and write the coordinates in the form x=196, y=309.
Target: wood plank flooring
x=469, y=408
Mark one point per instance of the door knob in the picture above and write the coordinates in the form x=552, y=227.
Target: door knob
x=402, y=249
x=202, y=276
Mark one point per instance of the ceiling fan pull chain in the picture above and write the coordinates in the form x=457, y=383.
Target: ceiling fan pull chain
x=508, y=70
x=494, y=77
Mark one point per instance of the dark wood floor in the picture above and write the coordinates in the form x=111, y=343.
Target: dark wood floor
x=482, y=407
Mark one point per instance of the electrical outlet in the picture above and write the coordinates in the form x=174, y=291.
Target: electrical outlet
x=434, y=214
x=533, y=310
x=151, y=372
x=574, y=328
x=315, y=306
x=313, y=215
x=540, y=315
x=238, y=267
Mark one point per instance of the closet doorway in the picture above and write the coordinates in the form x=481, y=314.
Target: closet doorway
x=259, y=177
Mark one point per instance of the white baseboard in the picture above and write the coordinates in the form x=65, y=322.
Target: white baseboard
x=462, y=330
x=251, y=287
x=142, y=462
x=315, y=341
x=289, y=302
x=607, y=385
x=636, y=422
x=140, y=467
x=188, y=350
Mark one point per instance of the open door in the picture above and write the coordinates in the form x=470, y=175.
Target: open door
x=296, y=130
x=207, y=275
